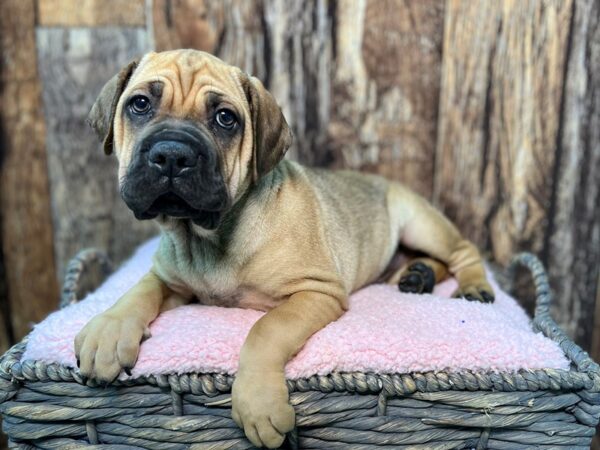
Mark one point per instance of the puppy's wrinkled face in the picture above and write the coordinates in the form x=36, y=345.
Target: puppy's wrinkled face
x=191, y=133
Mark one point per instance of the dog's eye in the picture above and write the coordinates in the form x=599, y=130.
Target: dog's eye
x=226, y=119
x=140, y=104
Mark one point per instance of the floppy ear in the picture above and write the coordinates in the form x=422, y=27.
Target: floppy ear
x=272, y=135
x=102, y=114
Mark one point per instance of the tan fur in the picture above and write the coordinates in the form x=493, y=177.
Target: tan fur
x=296, y=243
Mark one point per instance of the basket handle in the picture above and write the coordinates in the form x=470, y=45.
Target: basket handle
x=77, y=266
x=542, y=319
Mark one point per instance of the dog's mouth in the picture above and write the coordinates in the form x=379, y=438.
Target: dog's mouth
x=172, y=205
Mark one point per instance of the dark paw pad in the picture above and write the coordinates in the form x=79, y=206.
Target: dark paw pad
x=487, y=297
x=418, y=279
x=477, y=296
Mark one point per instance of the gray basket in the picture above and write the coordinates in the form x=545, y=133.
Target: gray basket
x=48, y=406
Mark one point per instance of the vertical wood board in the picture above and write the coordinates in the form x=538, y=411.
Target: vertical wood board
x=24, y=197
x=572, y=248
x=86, y=207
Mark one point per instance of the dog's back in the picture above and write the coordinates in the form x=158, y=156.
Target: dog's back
x=354, y=210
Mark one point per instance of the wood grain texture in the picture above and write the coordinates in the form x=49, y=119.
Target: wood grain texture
x=24, y=198
x=357, y=80
x=386, y=88
x=183, y=24
x=572, y=248
x=6, y=338
x=502, y=84
x=518, y=152
x=90, y=13
x=86, y=207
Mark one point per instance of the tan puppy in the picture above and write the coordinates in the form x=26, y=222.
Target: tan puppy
x=200, y=147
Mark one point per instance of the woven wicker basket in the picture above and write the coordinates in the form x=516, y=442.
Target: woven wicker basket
x=47, y=406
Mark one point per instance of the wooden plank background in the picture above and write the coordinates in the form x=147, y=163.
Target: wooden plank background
x=86, y=207
x=486, y=108
x=490, y=109
x=30, y=281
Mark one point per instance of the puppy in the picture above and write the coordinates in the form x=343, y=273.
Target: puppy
x=200, y=146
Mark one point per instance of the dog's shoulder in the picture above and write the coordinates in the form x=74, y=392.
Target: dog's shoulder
x=291, y=174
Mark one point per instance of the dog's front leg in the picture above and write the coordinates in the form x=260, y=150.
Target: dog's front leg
x=260, y=395
x=111, y=340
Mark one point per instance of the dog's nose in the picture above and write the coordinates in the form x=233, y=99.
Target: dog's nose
x=172, y=157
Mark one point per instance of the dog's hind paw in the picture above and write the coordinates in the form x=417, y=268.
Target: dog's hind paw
x=418, y=278
x=482, y=293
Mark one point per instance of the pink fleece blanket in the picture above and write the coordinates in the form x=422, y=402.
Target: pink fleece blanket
x=384, y=331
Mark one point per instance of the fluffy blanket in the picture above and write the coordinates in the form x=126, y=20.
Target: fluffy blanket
x=384, y=331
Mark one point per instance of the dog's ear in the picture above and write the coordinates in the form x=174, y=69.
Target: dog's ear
x=102, y=114
x=272, y=135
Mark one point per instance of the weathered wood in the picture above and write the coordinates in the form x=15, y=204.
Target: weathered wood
x=90, y=13
x=573, y=242
x=595, y=341
x=183, y=24
x=385, y=92
x=6, y=338
x=501, y=90
x=24, y=198
x=518, y=149
x=87, y=209
x=357, y=80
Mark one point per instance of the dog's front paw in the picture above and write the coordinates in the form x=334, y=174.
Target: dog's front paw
x=261, y=408
x=480, y=292
x=107, y=344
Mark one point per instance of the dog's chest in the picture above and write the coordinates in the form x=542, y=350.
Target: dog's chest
x=222, y=287
x=216, y=287
x=213, y=278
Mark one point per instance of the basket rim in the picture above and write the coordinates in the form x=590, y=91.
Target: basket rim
x=584, y=373
x=15, y=371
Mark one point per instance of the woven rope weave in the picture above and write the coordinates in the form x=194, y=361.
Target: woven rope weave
x=48, y=406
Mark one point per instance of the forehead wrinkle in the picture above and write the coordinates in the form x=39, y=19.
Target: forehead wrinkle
x=170, y=96
x=197, y=92
x=203, y=75
x=181, y=81
x=236, y=79
x=155, y=87
x=188, y=72
x=174, y=98
x=172, y=89
x=193, y=73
